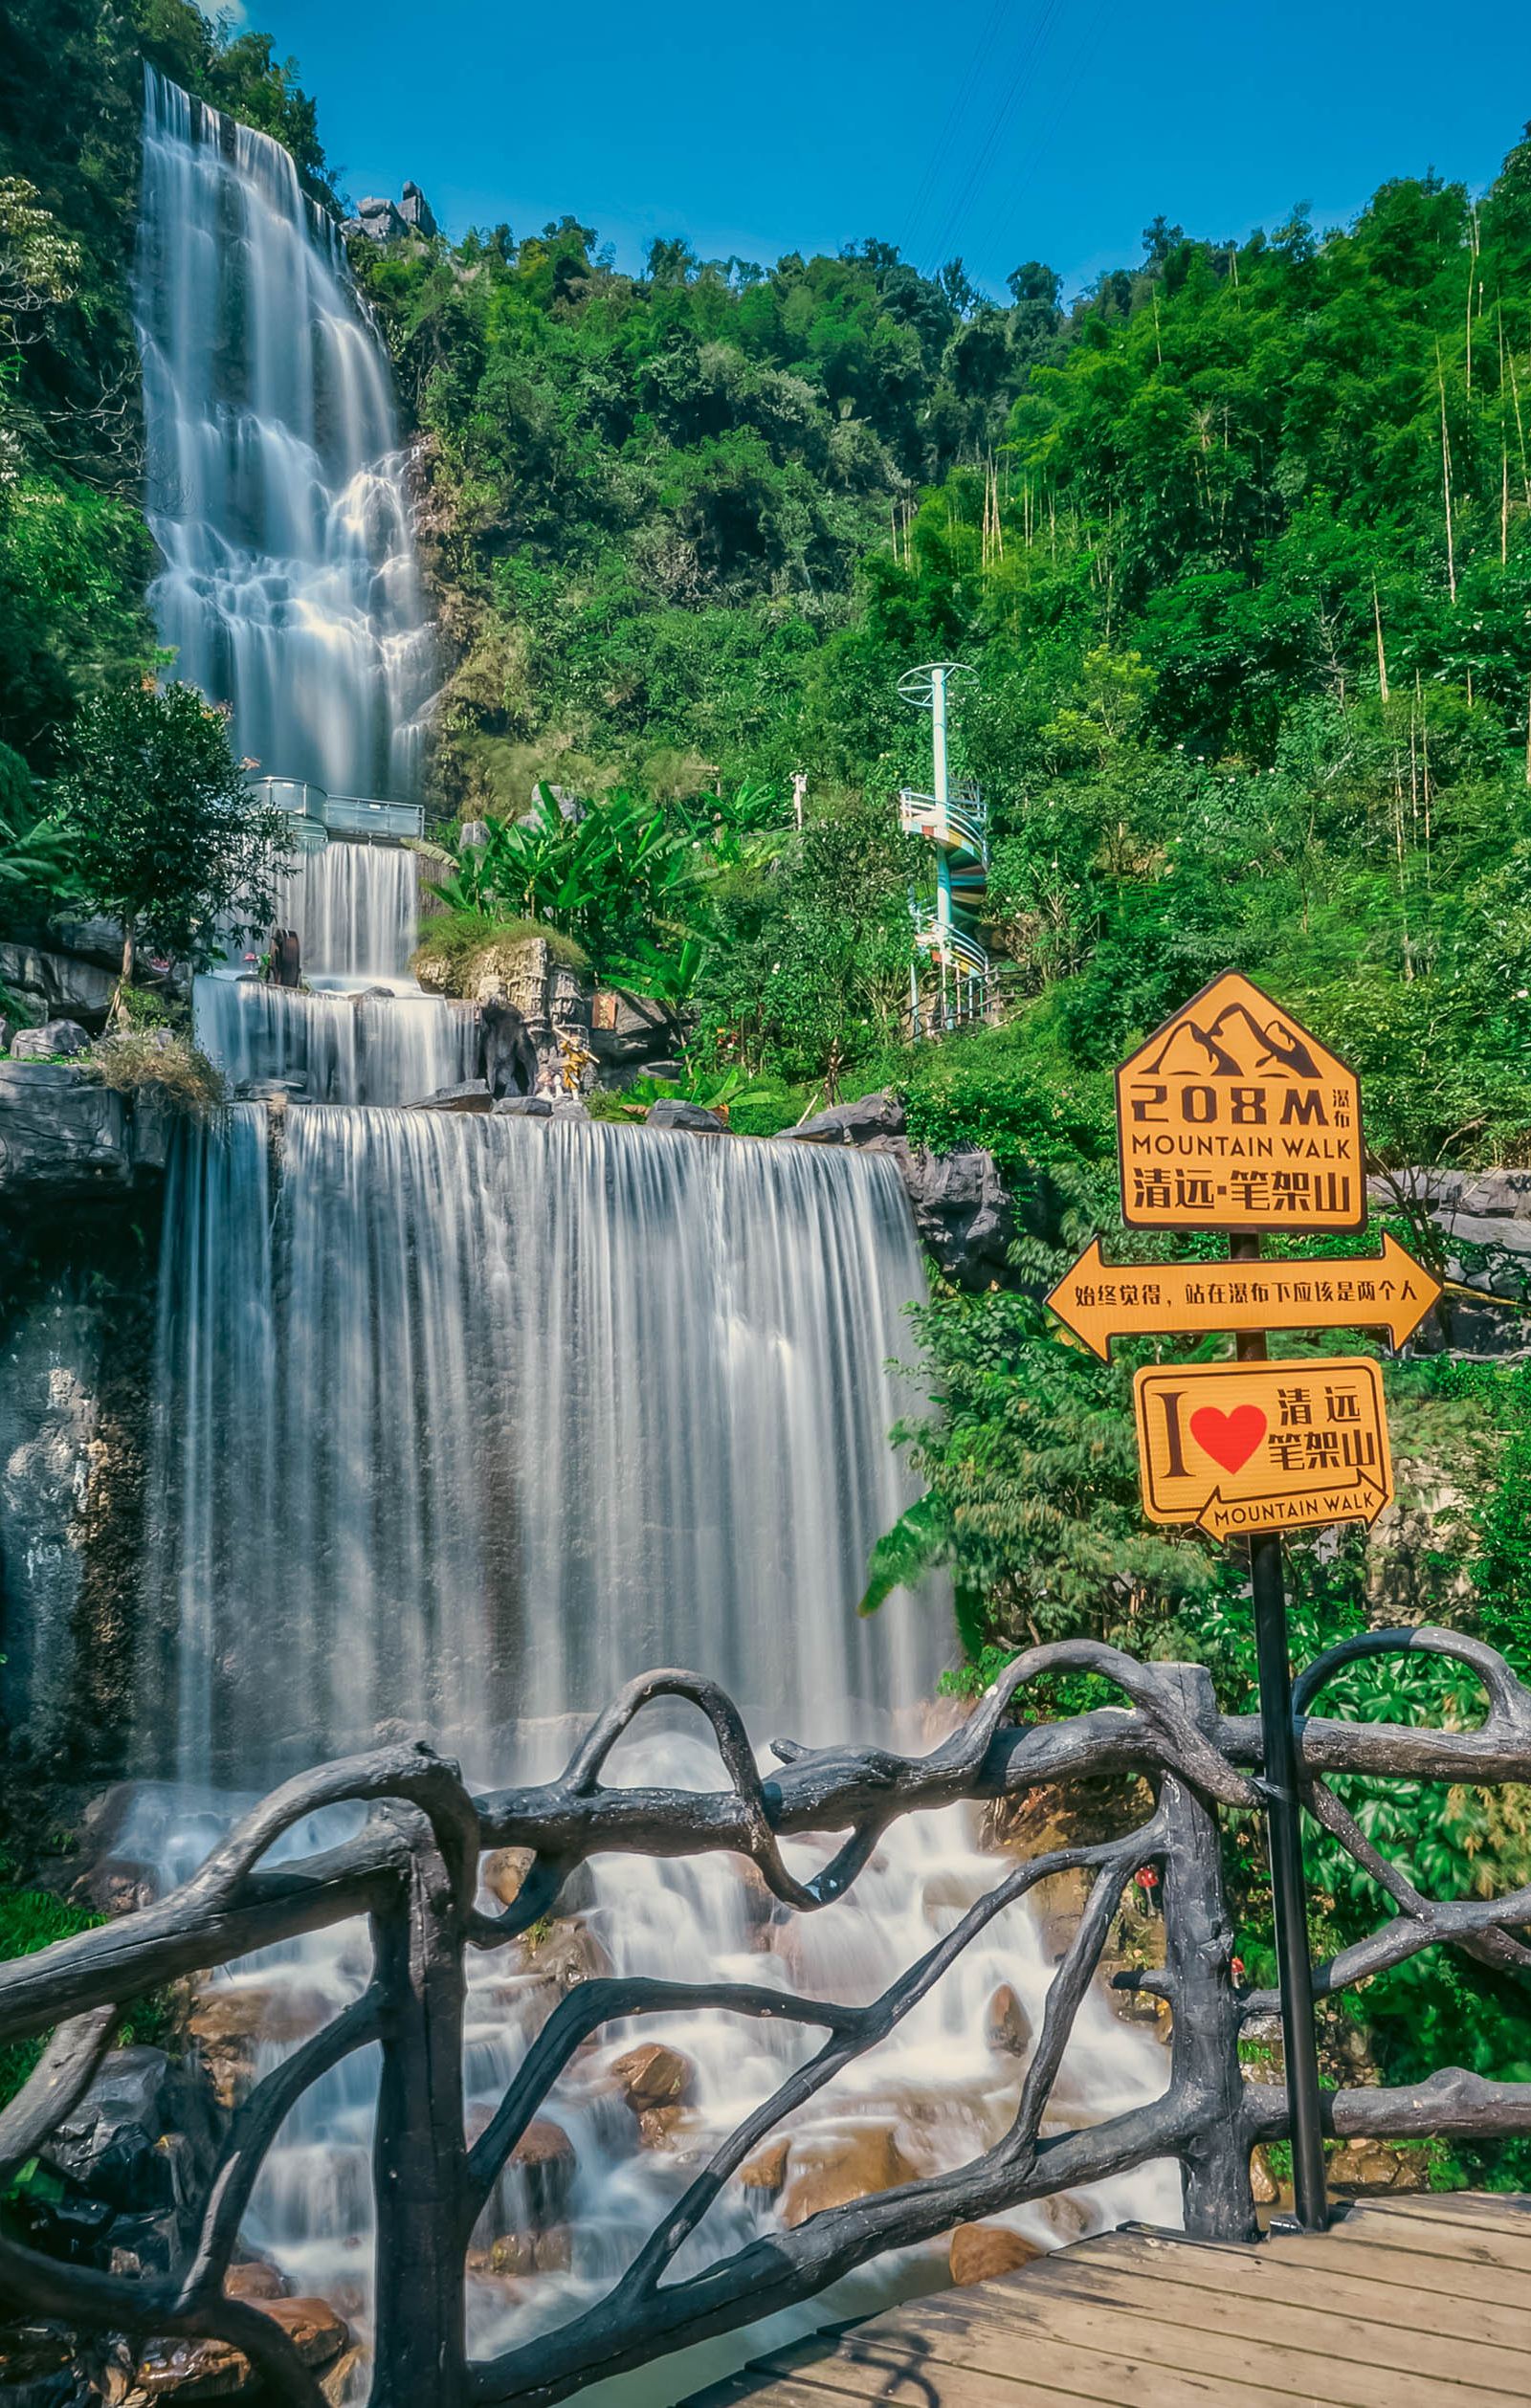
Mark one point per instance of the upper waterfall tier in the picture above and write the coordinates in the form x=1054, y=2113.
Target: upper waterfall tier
x=464, y=1421
x=356, y=909
x=274, y=484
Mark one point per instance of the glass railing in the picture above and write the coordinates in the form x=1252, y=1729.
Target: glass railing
x=341, y=815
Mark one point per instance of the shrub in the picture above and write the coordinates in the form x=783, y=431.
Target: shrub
x=452, y=942
x=156, y=1057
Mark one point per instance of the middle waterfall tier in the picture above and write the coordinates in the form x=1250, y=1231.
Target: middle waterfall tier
x=340, y=1047
x=360, y=1031
x=463, y=1418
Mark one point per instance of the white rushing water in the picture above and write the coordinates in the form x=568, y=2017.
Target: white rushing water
x=356, y=909
x=474, y=1417
x=275, y=486
x=462, y=1421
x=361, y=1031
x=346, y=1046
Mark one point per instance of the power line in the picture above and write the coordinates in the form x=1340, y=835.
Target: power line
x=967, y=93
x=1065, y=90
x=1041, y=33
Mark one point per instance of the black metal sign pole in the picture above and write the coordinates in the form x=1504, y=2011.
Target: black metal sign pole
x=1284, y=1828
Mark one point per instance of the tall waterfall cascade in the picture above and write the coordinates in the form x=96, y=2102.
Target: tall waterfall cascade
x=276, y=484
x=469, y=1419
x=462, y=1420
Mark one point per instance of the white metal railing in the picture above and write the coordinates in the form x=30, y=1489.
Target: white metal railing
x=945, y=940
x=960, y=824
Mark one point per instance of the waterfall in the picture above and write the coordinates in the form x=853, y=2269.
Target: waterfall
x=275, y=486
x=492, y=1413
x=461, y=1421
x=356, y=908
x=343, y=1048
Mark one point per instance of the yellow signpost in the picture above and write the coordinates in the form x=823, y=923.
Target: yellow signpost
x=1232, y=1117
x=1099, y=1300
x=1240, y=1448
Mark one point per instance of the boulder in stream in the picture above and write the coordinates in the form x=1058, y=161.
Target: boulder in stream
x=766, y=2170
x=980, y=2251
x=830, y=2170
x=1008, y=2025
x=653, y=2076
x=543, y=2157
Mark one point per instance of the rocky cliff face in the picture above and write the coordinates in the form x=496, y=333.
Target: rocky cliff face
x=76, y=1325
x=964, y=1212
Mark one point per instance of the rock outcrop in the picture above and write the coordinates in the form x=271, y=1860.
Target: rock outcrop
x=59, y=984
x=552, y=999
x=132, y=2156
x=384, y=221
x=1484, y=1217
x=53, y=1040
x=965, y=1214
x=65, y=1136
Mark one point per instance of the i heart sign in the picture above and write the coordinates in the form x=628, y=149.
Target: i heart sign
x=1228, y=1438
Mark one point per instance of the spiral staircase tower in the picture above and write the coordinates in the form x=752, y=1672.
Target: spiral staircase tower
x=949, y=975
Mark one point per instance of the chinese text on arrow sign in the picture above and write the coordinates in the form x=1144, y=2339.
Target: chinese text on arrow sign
x=1099, y=1300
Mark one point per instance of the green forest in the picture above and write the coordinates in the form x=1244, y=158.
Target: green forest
x=1237, y=545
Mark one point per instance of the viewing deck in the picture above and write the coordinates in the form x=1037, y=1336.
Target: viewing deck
x=1410, y=2303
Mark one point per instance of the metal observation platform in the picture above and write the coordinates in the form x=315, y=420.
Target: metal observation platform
x=953, y=820
x=318, y=816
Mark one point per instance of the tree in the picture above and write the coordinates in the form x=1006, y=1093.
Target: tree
x=166, y=834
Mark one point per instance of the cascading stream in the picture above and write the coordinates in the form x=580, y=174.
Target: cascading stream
x=289, y=589
x=361, y=1031
x=464, y=1419
x=275, y=486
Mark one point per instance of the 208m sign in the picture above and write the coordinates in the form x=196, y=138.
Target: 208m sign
x=1232, y=1116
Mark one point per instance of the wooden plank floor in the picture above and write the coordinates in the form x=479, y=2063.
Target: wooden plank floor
x=1410, y=2303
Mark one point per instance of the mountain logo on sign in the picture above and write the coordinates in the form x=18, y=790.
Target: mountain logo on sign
x=1233, y=1046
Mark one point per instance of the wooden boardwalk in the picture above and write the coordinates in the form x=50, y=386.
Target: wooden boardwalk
x=1410, y=2303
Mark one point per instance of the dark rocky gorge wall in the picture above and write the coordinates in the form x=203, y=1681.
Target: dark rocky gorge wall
x=78, y=1306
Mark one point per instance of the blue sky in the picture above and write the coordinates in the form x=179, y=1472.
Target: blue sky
x=1002, y=129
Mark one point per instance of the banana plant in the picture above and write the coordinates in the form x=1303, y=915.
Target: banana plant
x=670, y=980
x=36, y=861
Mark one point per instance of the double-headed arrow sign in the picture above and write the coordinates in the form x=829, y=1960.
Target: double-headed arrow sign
x=1099, y=1300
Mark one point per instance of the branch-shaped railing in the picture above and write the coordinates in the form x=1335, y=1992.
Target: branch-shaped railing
x=413, y=1872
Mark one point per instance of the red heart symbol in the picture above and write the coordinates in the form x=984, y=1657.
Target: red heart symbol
x=1228, y=1438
